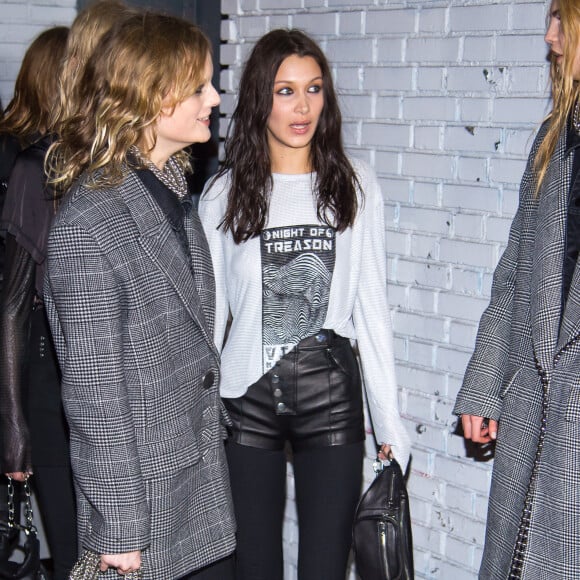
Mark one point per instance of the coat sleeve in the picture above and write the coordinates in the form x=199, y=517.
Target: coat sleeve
x=372, y=321
x=484, y=377
x=86, y=308
x=15, y=311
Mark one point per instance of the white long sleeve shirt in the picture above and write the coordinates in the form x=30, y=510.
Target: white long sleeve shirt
x=357, y=303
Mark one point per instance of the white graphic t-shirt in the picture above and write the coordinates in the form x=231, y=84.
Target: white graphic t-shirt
x=297, y=267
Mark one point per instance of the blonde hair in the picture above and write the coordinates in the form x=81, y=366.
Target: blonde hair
x=35, y=91
x=146, y=63
x=86, y=31
x=565, y=91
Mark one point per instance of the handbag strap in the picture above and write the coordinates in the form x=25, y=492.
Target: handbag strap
x=28, y=527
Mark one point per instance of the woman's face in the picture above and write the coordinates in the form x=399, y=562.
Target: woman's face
x=188, y=122
x=555, y=39
x=298, y=99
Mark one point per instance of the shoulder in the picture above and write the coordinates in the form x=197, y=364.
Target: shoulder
x=541, y=133
x=214, y=197
x=9, y=149
x=362, y=169
x=88, y=207
x=216, y=188
x=27, y=187
x=31, y=159
x=368, y=183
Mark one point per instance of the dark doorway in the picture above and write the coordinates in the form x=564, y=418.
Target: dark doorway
x=207, y=15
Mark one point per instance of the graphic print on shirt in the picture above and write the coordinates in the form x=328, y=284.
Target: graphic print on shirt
x=297, y=268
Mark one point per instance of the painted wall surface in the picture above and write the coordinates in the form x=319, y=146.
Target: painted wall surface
x=20, y=22
x=442, y=97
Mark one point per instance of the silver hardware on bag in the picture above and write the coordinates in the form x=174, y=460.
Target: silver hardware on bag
x=21, y=553
x=87, y=567
x=380, y=464
x=29, y=526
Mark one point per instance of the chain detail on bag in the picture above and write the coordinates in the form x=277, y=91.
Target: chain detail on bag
x=87, y=567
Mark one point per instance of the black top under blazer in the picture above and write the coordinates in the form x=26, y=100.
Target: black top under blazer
x=132, y=322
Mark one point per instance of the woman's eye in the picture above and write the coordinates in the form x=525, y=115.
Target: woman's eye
x=284, y=91
x=314, y=89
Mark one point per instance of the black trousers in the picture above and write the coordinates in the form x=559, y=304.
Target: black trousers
x=221, y=570
x=52, y=478
x=327, y=482
x=311, y=401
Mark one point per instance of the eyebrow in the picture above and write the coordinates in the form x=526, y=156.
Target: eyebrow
x=319, y=78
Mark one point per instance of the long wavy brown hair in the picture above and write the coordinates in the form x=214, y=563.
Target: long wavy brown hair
x=565, y=90
x=247, y=155
x=86, y=31
x=146, y=63
x=27, y=116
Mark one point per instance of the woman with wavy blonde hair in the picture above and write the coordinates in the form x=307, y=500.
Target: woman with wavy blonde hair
x=522, y=387
x=130, y=298
x=86, y=31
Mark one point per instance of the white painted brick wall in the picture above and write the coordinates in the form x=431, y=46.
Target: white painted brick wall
x=20, y=22
x=442, y=97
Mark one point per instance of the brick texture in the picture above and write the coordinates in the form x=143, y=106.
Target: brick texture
x=442, y=97
x=21, y=21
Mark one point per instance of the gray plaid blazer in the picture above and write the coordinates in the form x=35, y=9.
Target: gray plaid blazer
x=522, y=336
x=132, y=323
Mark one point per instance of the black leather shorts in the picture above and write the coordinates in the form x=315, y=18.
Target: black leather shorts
x=312, y=397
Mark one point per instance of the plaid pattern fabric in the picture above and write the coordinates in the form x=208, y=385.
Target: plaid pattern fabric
x=524, y=322
x=133, y=331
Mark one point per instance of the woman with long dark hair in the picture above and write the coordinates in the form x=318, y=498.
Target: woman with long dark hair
x=32, y=425
x=298, y=244
x=32, y=422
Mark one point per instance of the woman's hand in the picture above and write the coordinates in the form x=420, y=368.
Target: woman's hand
x=385, y=452
x=19, y=475
x=125, y=563
x=479, y=429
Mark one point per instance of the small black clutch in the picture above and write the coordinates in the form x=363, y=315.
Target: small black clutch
x=382, y=538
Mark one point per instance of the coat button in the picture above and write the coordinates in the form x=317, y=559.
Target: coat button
x=208, y=379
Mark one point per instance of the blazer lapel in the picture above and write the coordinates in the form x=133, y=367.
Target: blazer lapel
x=546, y=280
x=201, y=265
x=160, y=243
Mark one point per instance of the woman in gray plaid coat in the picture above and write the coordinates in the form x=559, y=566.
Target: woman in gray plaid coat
x=130, y=298
x=522, y=386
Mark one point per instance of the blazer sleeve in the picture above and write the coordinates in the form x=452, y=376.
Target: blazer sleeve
x=480, y=393
x=372, y=321
x=86, y=309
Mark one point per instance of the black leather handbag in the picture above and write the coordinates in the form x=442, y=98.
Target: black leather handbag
x=382, y=538
x=20, y=556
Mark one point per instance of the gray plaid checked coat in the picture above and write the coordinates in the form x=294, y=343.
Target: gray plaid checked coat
x=133, y=331
x=528, y=351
